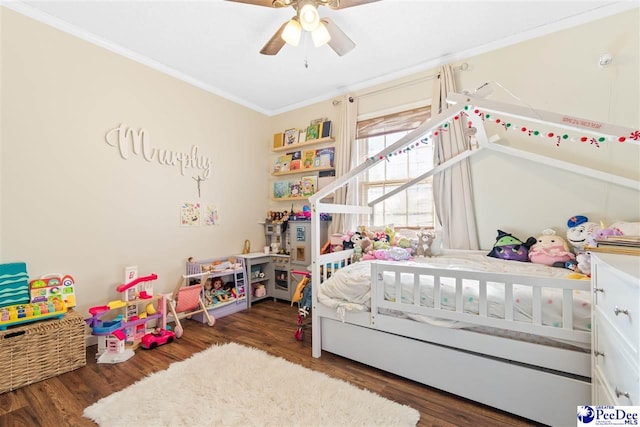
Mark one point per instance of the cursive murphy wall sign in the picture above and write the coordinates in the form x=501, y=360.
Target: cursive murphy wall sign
x=130, y=142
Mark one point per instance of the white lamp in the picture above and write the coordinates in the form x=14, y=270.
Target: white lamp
x=320, y=35
x=308, y=15
x=292, y=32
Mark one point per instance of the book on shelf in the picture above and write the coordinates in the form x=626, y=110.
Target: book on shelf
x=296, y=160
x=277, y=140
x=285, y=163
x=302, y=135
x=308, y=156
x=308, y=185
x=625, y=245
x=325, y=129
x=294, y=189
x=291, y=136
x=630, y=241
x=281, y=189
x=325, y=177
x=313, y=132
x=325, y=157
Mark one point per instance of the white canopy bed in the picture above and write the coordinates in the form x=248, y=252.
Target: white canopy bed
x=474, y=328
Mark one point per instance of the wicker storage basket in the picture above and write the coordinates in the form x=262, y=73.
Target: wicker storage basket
x=40, y=350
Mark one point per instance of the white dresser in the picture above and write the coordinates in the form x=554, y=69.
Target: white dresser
x=615, y=360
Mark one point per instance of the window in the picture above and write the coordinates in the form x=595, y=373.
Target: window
x=412, y=207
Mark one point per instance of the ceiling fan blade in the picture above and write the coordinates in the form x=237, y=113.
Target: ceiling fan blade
x=266, y=3
x=343, y=4
x=275, y=43
x=340, y=42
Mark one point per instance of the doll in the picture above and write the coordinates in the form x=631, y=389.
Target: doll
x=208, y=293
x=218, y=290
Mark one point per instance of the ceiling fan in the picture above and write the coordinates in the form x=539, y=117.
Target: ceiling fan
x=323, y=30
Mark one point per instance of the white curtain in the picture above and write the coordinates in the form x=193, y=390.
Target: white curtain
x=452, y=190
x=344, y=162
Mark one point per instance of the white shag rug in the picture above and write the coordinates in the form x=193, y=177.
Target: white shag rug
x=234, y=385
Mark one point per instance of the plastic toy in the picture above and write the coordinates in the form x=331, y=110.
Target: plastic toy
x=302, y=296
x=121, y=325
x=53, y=286
x=31, y=312
x=155, y=339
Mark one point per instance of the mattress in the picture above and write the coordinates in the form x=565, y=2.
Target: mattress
x=349, y=289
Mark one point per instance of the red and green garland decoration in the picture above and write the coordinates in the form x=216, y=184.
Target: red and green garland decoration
x=558, y=137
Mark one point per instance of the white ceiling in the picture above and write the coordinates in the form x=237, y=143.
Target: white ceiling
x=214, y=44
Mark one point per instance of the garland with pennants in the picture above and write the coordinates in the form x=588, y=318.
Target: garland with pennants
x=558, y=137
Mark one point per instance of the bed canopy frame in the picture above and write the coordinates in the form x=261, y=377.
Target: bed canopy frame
x=394, y=345
x=467, y=105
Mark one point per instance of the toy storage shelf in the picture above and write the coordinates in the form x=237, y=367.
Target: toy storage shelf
x=259, y=270
x=303, y=171
x=234, y=275
x=304, y=144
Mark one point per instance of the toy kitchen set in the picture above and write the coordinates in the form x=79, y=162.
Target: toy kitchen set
x=290, y=248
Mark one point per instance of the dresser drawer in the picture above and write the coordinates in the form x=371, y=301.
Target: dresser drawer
x=601, y=394
x=616, y=296
x=614, y=361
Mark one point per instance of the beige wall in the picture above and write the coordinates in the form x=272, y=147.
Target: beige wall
x=71, y=204
x=558, y=73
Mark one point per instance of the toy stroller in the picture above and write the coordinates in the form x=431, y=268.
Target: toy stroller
x=302, y=296
x=187, y=300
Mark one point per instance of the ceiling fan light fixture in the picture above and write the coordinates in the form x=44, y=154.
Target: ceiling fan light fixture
x=308, y=14
x=292, y=32
x=320, y=35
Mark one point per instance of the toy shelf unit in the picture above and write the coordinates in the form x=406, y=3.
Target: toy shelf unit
x=224, y=287
x=259, y=271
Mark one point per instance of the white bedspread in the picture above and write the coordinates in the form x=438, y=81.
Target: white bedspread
x=350, y=287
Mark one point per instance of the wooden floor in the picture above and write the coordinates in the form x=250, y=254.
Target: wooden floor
x=267, y=325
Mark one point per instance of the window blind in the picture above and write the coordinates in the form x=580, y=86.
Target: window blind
x=391, y=123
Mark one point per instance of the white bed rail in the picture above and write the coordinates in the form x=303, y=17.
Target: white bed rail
x=462, y=278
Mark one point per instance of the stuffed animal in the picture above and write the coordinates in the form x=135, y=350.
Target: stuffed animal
x=425, y=239
x=579, y=234
x=551, y=250
x=580, y=230
x=356, y=256
x=627, y=228
x=509, y=247
x=347, y=243
x=397, y=253
x=602, y=234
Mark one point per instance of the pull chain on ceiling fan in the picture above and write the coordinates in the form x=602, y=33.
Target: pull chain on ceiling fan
x=323, y=30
